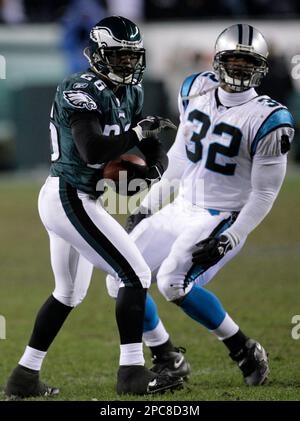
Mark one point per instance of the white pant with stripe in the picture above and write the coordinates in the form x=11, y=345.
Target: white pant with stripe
x=82, y=235
x=167, y=240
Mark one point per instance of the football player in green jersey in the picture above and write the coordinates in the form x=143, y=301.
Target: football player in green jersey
x=96, y=117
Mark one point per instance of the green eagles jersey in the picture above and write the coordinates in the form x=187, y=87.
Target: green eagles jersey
x=86, y=92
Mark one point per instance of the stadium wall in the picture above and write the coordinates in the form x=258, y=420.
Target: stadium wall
x=35, y=63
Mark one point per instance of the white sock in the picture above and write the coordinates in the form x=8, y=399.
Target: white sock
x=32, y=358
x=226, y=329
x=157, y=336
x=132, y=354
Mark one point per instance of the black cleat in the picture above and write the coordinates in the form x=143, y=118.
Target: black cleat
x=138, y=380
x=172, y=363
x=253, y=362
x=25, y=383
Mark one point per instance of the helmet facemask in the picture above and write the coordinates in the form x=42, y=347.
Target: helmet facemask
x=240, y=70
x=122, y=66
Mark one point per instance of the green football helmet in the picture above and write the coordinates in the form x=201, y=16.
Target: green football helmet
x=116, y=51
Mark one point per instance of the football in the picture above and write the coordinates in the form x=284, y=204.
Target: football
x=113, y=168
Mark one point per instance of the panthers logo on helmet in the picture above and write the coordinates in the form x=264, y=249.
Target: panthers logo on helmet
x=79, y=99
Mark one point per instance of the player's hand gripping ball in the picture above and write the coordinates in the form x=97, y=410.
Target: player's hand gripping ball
x=122, y=175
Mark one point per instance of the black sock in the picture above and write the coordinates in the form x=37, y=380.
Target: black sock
x=236, y=342
x=159, y=350
x=130, y=310
x=48, y=322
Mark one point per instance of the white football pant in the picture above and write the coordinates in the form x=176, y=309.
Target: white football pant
x=167, y=240
x=82, y=235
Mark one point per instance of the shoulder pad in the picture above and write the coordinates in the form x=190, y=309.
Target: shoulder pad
x=81, y=91
x=200, y=79
x=87, y=81
x=79, y=99
x=266, y=102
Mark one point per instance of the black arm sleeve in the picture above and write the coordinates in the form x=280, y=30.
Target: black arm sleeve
x=92, y=145
x=154, y=153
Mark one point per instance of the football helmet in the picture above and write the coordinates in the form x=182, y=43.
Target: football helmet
x=116, y=51
x=241, y=57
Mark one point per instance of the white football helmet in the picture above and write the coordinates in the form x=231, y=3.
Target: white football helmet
x=241, y=57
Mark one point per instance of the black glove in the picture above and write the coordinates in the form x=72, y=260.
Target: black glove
x=211, y=250
x=136, y=218
x=150, y=175
x=151, y=126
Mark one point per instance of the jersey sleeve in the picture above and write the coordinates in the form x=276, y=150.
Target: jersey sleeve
x=170, y=180
x=78, y=95
x=274, y=136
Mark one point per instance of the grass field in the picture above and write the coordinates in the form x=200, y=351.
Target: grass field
x=260, y=289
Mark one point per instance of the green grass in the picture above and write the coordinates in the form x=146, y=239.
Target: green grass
x=260, y=288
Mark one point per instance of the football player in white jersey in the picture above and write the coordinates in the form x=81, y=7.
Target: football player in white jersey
x=230, y=158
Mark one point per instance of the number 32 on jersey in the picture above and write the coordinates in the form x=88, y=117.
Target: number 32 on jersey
x=232, y=150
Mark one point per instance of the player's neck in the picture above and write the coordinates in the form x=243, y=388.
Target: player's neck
x=231, y=98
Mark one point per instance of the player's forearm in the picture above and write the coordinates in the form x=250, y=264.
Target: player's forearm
x=168, y=185
x=158, y=195
x=99, y=149
x=266, y=183
x=154, y=153
x=92, y=145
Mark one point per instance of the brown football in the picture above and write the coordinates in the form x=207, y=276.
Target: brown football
x=112, y=168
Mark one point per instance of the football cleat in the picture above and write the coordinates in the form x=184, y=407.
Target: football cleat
x=172, y=363
x=252, y=360
x=138, y=380
x=25, y=383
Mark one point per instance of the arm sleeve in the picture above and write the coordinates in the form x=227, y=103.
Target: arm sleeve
x=178, y=160
x=266, y=178
x=92, y=145
x=170, y=181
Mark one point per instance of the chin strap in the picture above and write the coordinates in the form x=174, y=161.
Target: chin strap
x=204, y=92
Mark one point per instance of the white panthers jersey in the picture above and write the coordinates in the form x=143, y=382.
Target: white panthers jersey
x=217, y=144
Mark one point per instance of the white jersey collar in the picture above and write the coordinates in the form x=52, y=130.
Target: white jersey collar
x=231, y=99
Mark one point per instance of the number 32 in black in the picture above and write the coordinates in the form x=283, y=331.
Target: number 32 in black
x=214, y=148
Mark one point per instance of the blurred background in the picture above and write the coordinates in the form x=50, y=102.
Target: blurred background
x=42, y=41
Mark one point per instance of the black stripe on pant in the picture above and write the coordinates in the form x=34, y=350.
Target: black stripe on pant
x=77, y=215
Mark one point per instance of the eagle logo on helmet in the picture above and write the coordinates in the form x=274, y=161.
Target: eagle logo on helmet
x=95, y=33
x=80, y=99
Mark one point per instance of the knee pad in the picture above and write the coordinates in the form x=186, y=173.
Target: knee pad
x=145, y=277
x=112, y=285
x=70, y=299
x=171, y=288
